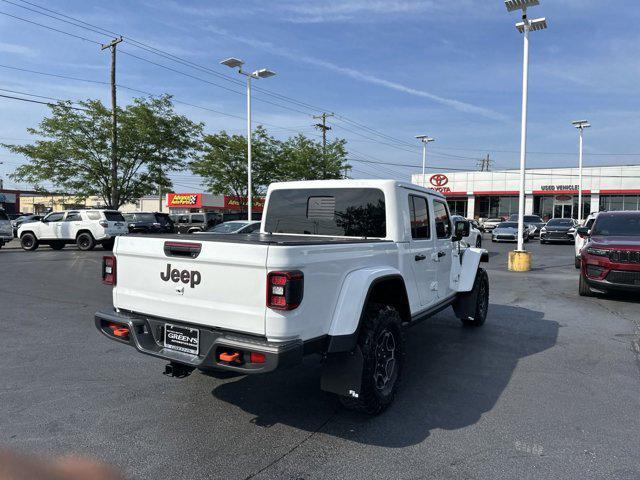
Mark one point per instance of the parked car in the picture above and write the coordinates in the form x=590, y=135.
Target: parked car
x=85, y=228
x=558, y=230
x=23, y=219
x=149, y=222
x=195, y=222
x=236, y=226
x=491, y=223
x=508, y=232
x=581, y=240
x=346, y=266
x=474, y=238
x=6, y=231
x=534, y=223
x=610, y=260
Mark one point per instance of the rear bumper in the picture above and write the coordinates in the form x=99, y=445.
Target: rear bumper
x=146, y=335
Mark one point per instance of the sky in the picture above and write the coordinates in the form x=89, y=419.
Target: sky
x=387, y=69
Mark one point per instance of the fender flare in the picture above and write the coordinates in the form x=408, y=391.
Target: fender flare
x=354, y=295
x=464, y=268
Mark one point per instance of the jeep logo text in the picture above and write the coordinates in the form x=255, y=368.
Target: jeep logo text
x=185, y=276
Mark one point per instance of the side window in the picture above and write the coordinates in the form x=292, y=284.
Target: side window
x=442, y=220
x=73, y=217
x=93, y=215
x=419, y=212
x=54, y=217
x=197, y=218
x=183, y=219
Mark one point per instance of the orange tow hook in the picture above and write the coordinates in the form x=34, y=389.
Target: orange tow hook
x=229, y=357
x=119, y=330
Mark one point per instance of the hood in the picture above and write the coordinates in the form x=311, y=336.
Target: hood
x=630, y=242
x=507, y=230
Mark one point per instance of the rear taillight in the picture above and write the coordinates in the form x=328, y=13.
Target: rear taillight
x=103, y=223
x=284, y=290
x=109, y=270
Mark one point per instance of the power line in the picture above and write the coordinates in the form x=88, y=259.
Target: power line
x=38, y=101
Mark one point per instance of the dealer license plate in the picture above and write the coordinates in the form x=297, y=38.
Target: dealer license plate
x=183, y=339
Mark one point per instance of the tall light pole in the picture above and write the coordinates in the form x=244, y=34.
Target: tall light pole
x=525, y=26
x=580, y=125
x=262, y=73
x=424, y=139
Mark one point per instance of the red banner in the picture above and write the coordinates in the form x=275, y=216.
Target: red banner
x=185, y=200
x=236, y=203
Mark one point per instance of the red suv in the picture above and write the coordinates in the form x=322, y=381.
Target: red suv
x=611, y=256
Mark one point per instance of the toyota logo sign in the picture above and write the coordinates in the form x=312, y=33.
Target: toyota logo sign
x=438, y=180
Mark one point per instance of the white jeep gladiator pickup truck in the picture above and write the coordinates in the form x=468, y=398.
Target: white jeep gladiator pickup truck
x=339, y=268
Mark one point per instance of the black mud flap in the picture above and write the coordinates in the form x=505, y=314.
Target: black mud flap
x=342, y=373
x=464, y=305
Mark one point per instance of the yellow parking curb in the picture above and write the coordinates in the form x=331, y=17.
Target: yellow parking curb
x=519, y=261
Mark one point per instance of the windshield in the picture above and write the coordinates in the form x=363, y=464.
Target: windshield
x=348, y=212
x=508, y=225
x=619, y=225
x=560, y=222
x=227, y=227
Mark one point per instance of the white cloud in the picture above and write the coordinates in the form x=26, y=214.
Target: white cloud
x=357, y=75
x=14, y=49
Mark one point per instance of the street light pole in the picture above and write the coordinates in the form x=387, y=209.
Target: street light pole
x=580, y=125
x=424, y=139
x=523, y=136
x=262, y=73
x=525, y=26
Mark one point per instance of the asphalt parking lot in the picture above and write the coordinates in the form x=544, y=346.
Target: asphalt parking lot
x=548, y=388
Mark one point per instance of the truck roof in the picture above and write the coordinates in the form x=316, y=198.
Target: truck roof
x=368, y=183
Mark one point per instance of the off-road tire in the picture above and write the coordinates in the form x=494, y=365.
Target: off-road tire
x=380, y=337
x=85, y=242
x=583, y=287
x=29, y=242
x=481, y=287
x=57, y=245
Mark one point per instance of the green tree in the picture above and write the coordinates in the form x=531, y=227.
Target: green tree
x=223, y=166
x=75, y=151
x=301, y=158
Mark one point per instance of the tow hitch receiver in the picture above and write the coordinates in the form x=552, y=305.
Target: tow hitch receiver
x=177, y=370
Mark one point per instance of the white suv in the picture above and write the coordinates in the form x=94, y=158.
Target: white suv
x=85, y=228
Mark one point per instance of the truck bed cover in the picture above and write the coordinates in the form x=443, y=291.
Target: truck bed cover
x=264, y=238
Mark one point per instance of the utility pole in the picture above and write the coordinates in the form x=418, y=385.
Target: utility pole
x=484, y=164
x=323, y=126
x=114, y=124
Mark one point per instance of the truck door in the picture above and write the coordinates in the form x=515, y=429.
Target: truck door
x=443, y=247
x=422, y=250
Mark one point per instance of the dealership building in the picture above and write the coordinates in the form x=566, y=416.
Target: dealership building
x=549, y=192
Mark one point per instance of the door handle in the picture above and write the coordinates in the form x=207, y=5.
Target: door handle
x=420, y=257
x=441, y=254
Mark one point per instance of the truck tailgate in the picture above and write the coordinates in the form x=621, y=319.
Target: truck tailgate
x=223, y=286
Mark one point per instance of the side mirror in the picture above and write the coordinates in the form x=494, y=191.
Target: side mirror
x=583, y=231
x=461, y=229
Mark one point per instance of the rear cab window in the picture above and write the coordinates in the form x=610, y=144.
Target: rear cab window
x=419, y=217
x=342, y=212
